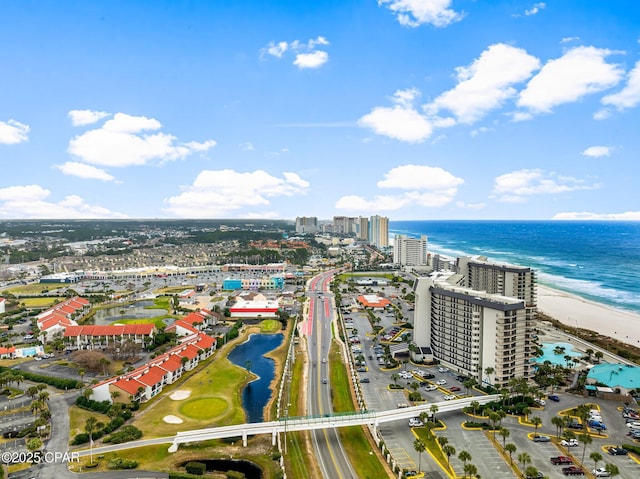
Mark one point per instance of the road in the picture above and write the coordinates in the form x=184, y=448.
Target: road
x=329, y=451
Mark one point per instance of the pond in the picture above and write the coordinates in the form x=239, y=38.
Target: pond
x=250, y=355
x=134, y=311
x=249, y=469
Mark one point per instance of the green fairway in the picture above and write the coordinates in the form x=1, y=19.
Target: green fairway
x=204, y=408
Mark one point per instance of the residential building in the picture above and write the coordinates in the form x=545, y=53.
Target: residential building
x=306, y=224
x=409, y=251
x=363, y=228
x=379, y=231
x=108, y=336
x=470, y=331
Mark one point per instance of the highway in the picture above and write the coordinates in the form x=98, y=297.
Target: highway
x=329, y=452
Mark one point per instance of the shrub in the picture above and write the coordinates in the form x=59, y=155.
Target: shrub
x=128, y=433
x=97, y=406
x=81, y=438
x=197, y=468
x=235, y=475
x=121, y=463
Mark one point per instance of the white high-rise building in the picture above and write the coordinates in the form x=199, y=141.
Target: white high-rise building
x=306, y=224
x=379, y=231
x=470, y=331
x=409, y=251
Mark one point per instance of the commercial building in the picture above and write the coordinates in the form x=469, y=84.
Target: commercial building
x=409, y=251
x=472, y=331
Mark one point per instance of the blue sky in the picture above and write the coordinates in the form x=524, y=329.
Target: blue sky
x=411, y=109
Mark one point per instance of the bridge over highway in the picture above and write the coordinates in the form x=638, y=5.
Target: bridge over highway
x=284, y=425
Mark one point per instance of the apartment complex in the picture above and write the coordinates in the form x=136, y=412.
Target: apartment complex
x=306, y=224
x=379, y=231
x=409, y=251
x=470, y=330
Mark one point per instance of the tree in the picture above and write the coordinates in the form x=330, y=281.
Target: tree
x=394, y=378
x=504, y=433
x=526, y=411
x=612, y=469
x=32, y=391
x=531, y=471
x=489, y=371
x=510, y=448
x=559, y=423
x=420, y=447
x=34, y=444
x=433, y=409
x=474, y=406
x=471, y=470
x=90, y=426
x=596, y=457
x=523, y=459
x=449, y=451
x=464, y=456
x=537, y=422
x=585, y=439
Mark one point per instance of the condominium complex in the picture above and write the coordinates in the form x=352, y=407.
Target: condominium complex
x=409, y=251
x=480, y=318
x=306, y=224
x=363, y=228
x=379, y=231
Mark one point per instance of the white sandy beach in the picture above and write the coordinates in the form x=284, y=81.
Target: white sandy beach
x=575, y=311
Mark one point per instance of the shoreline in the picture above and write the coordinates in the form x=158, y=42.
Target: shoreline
x=574, y=311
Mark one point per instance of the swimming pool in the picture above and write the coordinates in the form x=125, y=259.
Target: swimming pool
x=613, y=375
x=549, y=355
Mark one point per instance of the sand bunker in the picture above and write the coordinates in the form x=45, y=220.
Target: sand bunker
x=180, y=394
x=172, y=419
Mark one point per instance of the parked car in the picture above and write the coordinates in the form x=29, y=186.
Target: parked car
x=554, y=398
x=431, y=387
x=537, y=476
x=601, y=472
x=560, y=460
x=441, y=382
x=597, y=425
x=617, y=451
x=454, y=389
x=415, y=422
x=539, y=438
x=572, y=471
x=575, y=425
x=569, y=443
x=540, y=402
x=428, y=376
x=364, y=380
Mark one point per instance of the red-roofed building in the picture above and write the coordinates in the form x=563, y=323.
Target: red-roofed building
x=8, y=353
x=161, y=370
x=53, y=321
x=373, y=301
x=181, y=328
x=101, y=337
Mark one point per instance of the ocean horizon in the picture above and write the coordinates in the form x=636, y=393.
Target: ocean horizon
x=596, y=260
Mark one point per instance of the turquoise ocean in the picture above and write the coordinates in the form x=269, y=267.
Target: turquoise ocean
x=597, y=260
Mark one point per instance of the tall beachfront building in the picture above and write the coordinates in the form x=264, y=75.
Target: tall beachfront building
x=363, y=228
x=379, y=231
x=409, y=251
x=472, y=331
x=306, y=224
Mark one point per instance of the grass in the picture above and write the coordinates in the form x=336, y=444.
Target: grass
x=359, y=448
x=39, y=302
x=270, y=326
x=434, y=449
x=78, y=418
x=36, y=289
x=157, y=321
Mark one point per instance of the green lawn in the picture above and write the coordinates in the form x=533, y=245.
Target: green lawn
x=37, y=288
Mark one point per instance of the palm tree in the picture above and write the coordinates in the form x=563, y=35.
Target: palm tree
x=420, y=447
x=474, y=406
x=494, y=418
x=559, y=423
x=32, y=391
x=504, y=433
x=526, y=411
x=537, y=422
x=90, y=426
x=510, y=448
x=464, y=456
x=394, y=378
x=471, y=470
x=531, y=471
x=596, y=457
x=524, y=459
x=612, y=469
x=433, y=409
x=449, y=451
x=585, y=439
x=489, y=371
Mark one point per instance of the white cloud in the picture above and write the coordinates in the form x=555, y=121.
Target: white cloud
x=82, y=170
x=413, y=13
x=569, y=39
x=275, y=49
x=121, y=142
x=470, y=206
x=479, y=131
x=515, y=186
x=597, y=151
x=248, y=146
x=13, y=132
x=626, y=216
x=30, y=202
x=487, y=83
x=429, y=186
x=577, y=73
x=419, y=177
x=314, y=59
x=401, y=122
x=306, y=56
x=220, y=193
x=86, y=117
x=629, y=96
x=535, y=8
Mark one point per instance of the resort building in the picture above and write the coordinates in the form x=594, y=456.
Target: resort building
x=148, y=381
x=409, y=251
x=373, y=301
x=53, y=321
x=307, y=224
x=106, y=337
x=469, y=330
x=379, y=231
x=3, y=302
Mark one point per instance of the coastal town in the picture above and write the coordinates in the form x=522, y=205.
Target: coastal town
x=148, y=348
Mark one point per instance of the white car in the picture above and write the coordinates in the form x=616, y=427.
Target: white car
x=541, y=402
x=448, y=397
x=601, y=472
x=431, y=387
x=441, y=382
x=442, y=370
x=569, y=443
x=415, y=422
